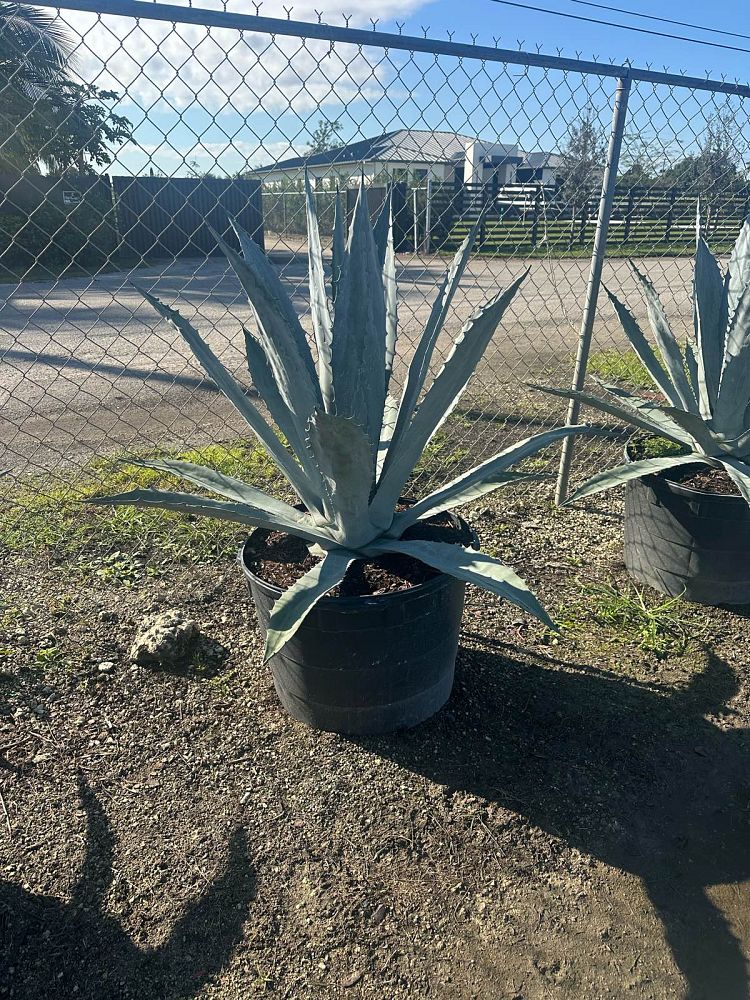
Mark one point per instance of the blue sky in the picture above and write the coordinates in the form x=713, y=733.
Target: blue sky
x=223, y=103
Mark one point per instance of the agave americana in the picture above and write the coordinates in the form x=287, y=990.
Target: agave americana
x=706, y=385
x=350, y=445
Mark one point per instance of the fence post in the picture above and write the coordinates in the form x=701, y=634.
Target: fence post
x=535, y=219
x=629, y=215
x=619, y=114
x=428, y=216
x=670, y=215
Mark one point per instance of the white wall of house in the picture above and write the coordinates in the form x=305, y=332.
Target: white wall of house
x=350, y=173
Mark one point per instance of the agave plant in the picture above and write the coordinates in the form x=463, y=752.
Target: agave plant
x=346, y=446
x=706, y=385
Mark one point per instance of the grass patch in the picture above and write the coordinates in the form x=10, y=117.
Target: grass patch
x=620, y=366
x=47, y=517
x=663, y=627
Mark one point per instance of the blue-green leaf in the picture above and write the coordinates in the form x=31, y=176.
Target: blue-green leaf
x=643, y=349
x=342, y=452
x=235, y=394
x=240, y=513
x=438, y=402
x=632, y=470
x=474, y=567
x=359, y=339
x=321, y=316
x=667, y=343
x=708, y=295
x=295, y=604
x=420, y=363
x=481, y=480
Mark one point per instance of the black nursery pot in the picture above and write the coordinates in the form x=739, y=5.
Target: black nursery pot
x=362, y=665
x=687, y=542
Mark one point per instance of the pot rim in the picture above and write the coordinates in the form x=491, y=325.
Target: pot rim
x=419, y=589
x=682, y=490
x=438, y=581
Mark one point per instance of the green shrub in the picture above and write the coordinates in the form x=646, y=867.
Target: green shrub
x=54, y=238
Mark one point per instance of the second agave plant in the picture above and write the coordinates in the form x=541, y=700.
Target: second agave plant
x=687, y=473
x=379, y=652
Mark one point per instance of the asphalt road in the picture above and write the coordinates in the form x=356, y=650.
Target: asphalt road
x=86, y=366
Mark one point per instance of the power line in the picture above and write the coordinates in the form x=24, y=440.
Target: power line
x=662, y=20
x=626, y=27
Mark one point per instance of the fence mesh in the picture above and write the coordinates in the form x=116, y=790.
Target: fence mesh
x=121, y=137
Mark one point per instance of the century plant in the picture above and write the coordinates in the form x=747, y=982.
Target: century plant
x=346, y=446
x=706, y=384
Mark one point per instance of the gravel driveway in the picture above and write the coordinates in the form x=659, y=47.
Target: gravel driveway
x=87, y=367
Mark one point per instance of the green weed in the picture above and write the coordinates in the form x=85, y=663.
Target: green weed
x=662, y=627
x=50, y=516
x=620, y=366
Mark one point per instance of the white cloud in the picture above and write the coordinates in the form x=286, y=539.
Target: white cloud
x=156, y=64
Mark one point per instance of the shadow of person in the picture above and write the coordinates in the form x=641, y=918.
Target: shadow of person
x=54, y=949
x=633, y=774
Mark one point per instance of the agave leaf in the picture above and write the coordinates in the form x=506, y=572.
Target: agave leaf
x=708, y=294
x=321, y=316
x=279, y=328
x=738, y=333
x=339, y=245
x=666, y=341
x=342, y=452
x=267, y=281
x=232, y=489
x=739, y=269
x=383, y=226
x=420, y=363
x=390, y=295
x=482, y=479
x=691, y=363
x=645, y=408
x=643, y=349
x=290, y=610
x=234, y=393
x=241, y=513
x=739, y=473
x=474, y=567
x=734, y=394
x=651, y=423
x=702, y=438
x=390, y=413
x=495, y=482
x=632, y=470
x=263, y=379
x=438, y=403
x=358, y=354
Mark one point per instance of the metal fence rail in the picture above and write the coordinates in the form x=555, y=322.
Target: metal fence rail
x=195, y=103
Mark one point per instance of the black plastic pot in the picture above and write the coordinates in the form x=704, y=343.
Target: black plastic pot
x=687, y=542
x=362, y=665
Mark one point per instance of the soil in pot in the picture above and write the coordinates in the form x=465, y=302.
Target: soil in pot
x=700, y=477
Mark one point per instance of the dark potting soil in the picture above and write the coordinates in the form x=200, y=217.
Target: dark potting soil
x=281, y=559
x=695, y=477
x=703, y=477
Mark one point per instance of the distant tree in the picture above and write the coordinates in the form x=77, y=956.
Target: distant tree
x=325, y=136
x=713, y=174
x=46, y=118
x=582, y=162
x=34, y=48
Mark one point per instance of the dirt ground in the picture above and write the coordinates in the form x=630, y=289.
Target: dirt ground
x=573, y=824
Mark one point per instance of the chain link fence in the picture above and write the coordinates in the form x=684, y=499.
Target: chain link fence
x=126, y=127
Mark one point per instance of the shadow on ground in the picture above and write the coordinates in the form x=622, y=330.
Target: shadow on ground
x=634, y=775
x=74, y=949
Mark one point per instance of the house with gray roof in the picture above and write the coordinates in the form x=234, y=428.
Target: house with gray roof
x=443, y=157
